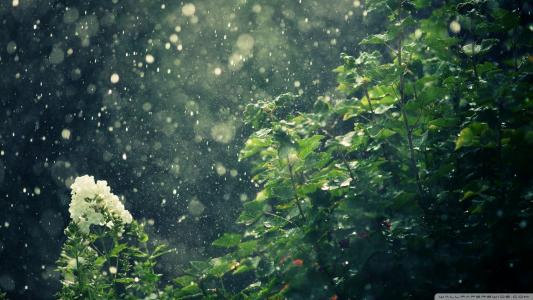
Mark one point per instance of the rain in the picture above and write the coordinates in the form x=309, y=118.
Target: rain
x=304, y=149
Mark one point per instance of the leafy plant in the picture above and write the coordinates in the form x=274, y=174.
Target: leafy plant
x=416, y=181
x=105, y=255
x=108, y=264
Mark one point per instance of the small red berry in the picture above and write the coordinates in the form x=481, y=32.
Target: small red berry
x=387, y=224
x=298, y=262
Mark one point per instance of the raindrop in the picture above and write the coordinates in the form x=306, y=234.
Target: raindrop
x=11, y=47
x=188, y=10
x=65, y=134
x=149, y=59
x=114, y=78
x=195, y=207
x=455, y=27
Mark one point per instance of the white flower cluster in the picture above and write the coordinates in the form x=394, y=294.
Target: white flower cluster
x=93, y=203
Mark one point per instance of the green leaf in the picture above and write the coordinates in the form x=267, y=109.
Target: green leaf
x=117, y=249
x=242, y=269
x=384, y=134
x=466, y=137
x=468, y=194
x=346, y=140
x=220, y=266
x=143, y=238
x=228, y=240
x=376, y=39
x=255, y=144
x=381, y=109
x=308, y=145
x=471, y=49
x=419, y=4
x=185, y=280
x=442, y=123
x=281, y=189
x=124, y=280
x=247, y=265
x=190, y=290
x=247, y=248
x=251, y=211
x=199, y=266
x=473, y=135
x=160, y=250
x=100, y=260
x=137, y=252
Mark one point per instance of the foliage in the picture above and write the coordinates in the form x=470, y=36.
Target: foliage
x=109, y=263
x=415, y=182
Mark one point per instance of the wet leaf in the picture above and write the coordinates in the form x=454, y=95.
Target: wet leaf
x=228, y=240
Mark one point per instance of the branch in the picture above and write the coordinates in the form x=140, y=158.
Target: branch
x=295, y=190
x=408, y=129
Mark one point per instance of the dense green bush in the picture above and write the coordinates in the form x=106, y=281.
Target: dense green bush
x=416, y=181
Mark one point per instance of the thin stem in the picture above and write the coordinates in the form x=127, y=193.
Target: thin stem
x=473, y=59
x=350, y=171
x=295, y=190
x=369, y=102
x=224, y=291
x=474, y=66
x=412, y=158
x=116, y=266
x=80, y=281
x=96, y=249
x=408, y=129
x=79, y=271
x=315, y=245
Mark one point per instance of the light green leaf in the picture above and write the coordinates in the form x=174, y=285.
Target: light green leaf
x=199, y=265
x=466, y=137
x=471, y=49
x=100, y=261
x=308, y=145
x=471, y=135
x=124, y=280
x=184, y=280
x=255, y=145
x=384, y=134
x=219, y=266
x=117, y=249
x=346, y=140
x=376, y=39
x=190, y=290
x=227, y=240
